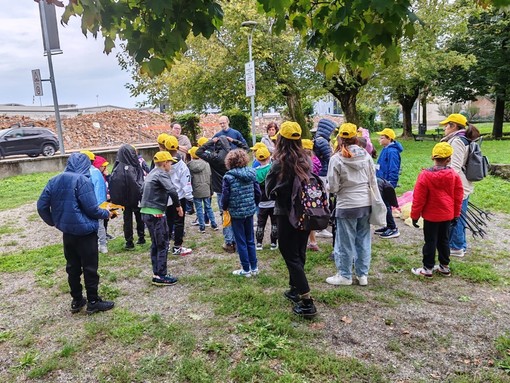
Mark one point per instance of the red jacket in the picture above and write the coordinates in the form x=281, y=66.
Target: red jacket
x=437, y=195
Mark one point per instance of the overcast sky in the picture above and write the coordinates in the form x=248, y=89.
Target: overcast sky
x=84, y=74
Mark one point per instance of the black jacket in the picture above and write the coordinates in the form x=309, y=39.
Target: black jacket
x=126, y=180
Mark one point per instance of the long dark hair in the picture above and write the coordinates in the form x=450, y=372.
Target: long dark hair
x=293, y=159
x=472, y=132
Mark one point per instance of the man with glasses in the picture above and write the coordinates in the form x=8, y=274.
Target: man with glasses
x=226, y=130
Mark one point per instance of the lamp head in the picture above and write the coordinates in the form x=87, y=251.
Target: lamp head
x=249, y=24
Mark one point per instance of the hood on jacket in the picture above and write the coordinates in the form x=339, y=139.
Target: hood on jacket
x=127, y=155
x=244, y=174
x=395, y=145
x=357, y=161
x=324, y=128
x=222, y=144
x=197, y=165
x=78, y=163
x=442, y=177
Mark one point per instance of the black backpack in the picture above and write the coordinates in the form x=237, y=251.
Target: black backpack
x=309, y=204
x=126, y=183
x=476, y=167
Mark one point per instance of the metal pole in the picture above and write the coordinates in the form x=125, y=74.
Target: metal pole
x=52, y=78
x=254, y=137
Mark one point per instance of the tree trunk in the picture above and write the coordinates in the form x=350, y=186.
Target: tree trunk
x=293, y=99
x=348, y=102
x=423, y=101
x=499, y=111
x=407, y=101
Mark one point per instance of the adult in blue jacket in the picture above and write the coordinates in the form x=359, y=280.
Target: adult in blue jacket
x=227, y=131
x=68, y=202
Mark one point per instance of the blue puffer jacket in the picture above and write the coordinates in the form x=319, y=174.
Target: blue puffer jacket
x=321, y=146
x=389, y=163
x=68, y=201
x=240, y=192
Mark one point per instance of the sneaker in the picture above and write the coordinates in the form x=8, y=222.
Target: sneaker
x=243, y=273
x=215, y=228
x=109, y=237
x=195, y=222
x=292, y=295
x=274, y=246
x=201, y=230
x=99, y=305
x=457, y=252
x=229, y=247
x=207, y=224
x=141, y=241
x=422, y=272
x=103, y=249
x=254, y=272
x=362, y=280
x=305, y=309
x=258, y=246
x=324, y=234
x=313, y=247
x=338, y=280
x=166, y=280
x=443, y=270
x=390, y=233
x=181, y=250
x=381, y=230
x=77, y=304
x=129, y=245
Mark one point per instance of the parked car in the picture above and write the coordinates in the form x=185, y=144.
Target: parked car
x=28, y=140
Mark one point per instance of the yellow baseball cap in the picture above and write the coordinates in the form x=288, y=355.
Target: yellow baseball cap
x=456, y=118
x=162, y=138
x=257, y=146
x=163, y=156
x=202, y=140
x=193, y=151
x=442, y=150
x=171, y=143
x=89, y=154
x=307, y=144
x=262, y=153
x=387, y=132
x=347, y=130
x=290, y=130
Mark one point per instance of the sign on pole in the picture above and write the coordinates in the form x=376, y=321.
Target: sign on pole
x=36, y=78
x=249, y=73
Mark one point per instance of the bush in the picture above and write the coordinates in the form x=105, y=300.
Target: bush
x=239, y=121
x=190, y=127
x=390, y=116
x=447, y=109
x=366, y=117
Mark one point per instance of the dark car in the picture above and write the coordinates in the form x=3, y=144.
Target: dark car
x=28, y=140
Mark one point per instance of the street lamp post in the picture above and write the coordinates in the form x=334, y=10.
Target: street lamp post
x=250, y=77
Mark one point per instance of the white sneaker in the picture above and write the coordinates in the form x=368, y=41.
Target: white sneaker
x=103, y=249
x=274, y=246
x=258, y=246
x=457, y=252
x=324, y=234
x=182, y=251
x=255, y=272
x=362, y=280
x=243, y=273
x=338, y=280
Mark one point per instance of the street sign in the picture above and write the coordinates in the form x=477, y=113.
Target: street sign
x=249, y=73
x=36, y=78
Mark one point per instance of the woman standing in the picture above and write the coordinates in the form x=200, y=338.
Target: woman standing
x=290, y=161
x=458, y=133
x=271, y=130
x=351, y=175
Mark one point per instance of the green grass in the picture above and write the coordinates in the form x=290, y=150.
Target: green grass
x=19, y=190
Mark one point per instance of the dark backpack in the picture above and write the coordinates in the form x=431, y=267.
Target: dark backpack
x=125, y=185
x=309, y=204
x=476, y=167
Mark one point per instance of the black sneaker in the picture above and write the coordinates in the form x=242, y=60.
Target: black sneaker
x=76, y=305
x=99, y=305
x=292, y=295
x=166, y=280
x=381, y=230
x=141, y=241
x=305, y=309
x=129, y=245
x=108, y=236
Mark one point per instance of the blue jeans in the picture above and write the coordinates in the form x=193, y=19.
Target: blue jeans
x=202, y=204
x=228, y=234
x=245, y=241
x=352, y=246
x=458, y=232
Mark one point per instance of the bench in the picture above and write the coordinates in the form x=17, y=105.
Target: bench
x=434, y=136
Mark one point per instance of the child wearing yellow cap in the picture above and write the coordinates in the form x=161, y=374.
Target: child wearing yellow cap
x=438, y=199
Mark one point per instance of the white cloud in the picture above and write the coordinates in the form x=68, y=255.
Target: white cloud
x=82, y=72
